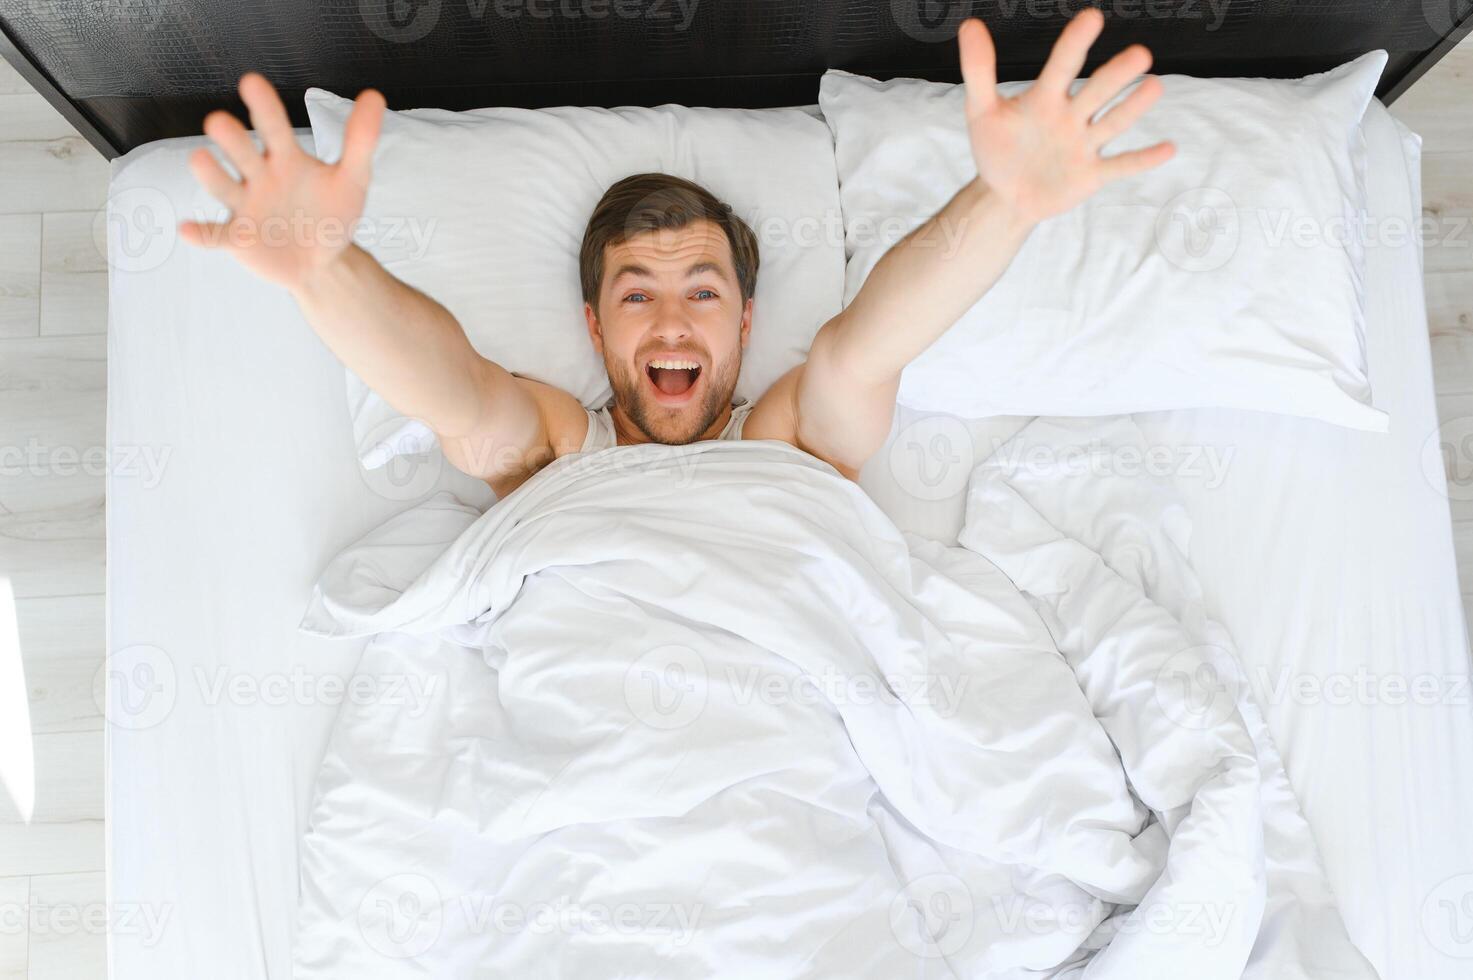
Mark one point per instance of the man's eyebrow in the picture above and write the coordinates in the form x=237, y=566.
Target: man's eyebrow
x=629, y=269
x=705, y=265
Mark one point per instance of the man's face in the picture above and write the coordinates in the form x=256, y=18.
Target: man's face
x=671, y=325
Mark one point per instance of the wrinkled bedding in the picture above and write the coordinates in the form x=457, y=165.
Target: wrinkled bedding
x=704, y=710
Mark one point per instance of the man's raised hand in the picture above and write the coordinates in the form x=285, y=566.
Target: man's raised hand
x=1040, y=150
x=290, y=215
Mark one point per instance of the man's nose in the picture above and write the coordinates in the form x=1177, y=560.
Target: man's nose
x=671, y=323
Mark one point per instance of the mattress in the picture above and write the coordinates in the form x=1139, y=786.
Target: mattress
x=1324, y=551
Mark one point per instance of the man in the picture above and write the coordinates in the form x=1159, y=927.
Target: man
x=668, y=275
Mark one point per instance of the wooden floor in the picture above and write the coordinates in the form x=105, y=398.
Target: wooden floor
x=53, y=324
x=53, y=320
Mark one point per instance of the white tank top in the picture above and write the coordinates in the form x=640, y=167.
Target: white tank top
x=601, y=427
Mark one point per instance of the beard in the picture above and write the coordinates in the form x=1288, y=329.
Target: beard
x=674, y=426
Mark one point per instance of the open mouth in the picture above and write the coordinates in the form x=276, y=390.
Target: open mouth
x=673, y=376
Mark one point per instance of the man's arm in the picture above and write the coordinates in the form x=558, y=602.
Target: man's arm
x=1037, y=155
x=413, y=352
x=291, y=223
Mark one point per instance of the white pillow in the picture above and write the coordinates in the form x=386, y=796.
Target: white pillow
x=484, y=211
x=1230, y=277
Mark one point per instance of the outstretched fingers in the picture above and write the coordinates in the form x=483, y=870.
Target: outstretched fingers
x=1136, y=161
x=1130, y=109
x=1066, y=60
x=205, y=234
x=1110, y=78
x=360, y=135
x=268, y=114
x=213, y=178
x=233, y=140
x=978, y=64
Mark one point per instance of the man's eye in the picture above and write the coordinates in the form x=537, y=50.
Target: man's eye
x=636, y=298
x=705, y=294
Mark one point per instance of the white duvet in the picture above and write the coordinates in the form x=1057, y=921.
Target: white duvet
x=703, y=711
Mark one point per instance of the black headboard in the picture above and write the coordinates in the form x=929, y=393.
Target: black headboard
x=129, y=71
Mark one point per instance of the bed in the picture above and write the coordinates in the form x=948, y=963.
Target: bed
x=1326, y=553
x=1340, y=561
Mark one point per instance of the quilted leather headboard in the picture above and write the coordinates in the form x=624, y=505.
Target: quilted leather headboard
x=130, y=71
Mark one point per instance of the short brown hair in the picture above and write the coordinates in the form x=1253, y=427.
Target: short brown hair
x=660, y=202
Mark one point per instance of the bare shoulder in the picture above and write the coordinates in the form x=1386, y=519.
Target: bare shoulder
x=523, y=426
x=776, y=416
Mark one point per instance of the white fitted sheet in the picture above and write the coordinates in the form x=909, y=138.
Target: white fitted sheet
x=1328, y=554
x=1322, y=550
x=213, y=567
